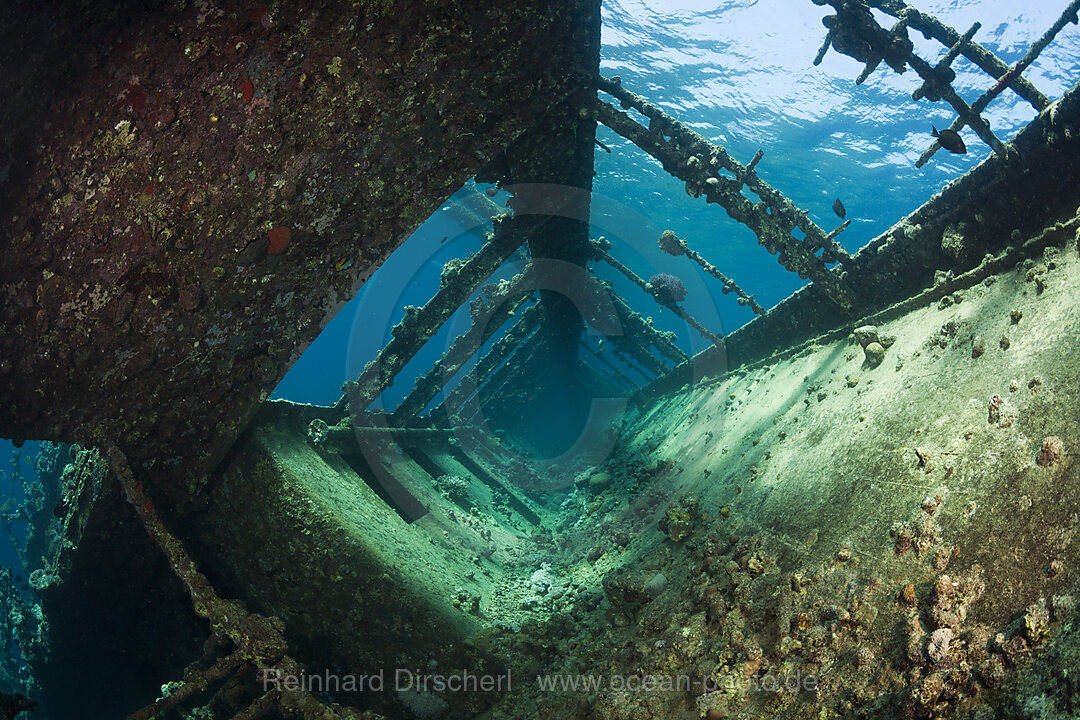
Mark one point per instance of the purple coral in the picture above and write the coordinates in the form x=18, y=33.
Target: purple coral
x=667, y=288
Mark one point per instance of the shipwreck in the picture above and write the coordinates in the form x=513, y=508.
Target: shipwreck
x=862, y=503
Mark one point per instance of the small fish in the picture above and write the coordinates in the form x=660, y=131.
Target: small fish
x=839, y=209
x=950, y=140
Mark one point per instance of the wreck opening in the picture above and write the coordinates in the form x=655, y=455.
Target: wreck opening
x=362, y=327
x=588, y=434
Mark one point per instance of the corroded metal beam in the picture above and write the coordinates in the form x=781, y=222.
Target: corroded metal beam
x=602, y=253
x=692, y=158
x=635, y=325
x=943, y=69
x=854, y=32
x=494, y=358
x=503, y=383
x=259, y=639
x=617, y=375
x=488, y=314
x=597, y=372
x=675, y=245
x=629, y=361
x=635, y=347
x=930, y=26
x=344, y=440
x=460, y=278
x=687, y=143
x=551, y=172
x=999, y=201
x=1010, y=78
x=966, y=114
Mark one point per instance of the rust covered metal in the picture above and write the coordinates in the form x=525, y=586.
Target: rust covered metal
x=190, y=193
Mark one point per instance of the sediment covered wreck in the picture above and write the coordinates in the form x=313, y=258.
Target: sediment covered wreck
x=863, y=503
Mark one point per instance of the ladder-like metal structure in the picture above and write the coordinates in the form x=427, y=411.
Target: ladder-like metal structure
x=854, y=31
x=708, y=171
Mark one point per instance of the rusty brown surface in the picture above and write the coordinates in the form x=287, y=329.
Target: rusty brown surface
x=190, y=193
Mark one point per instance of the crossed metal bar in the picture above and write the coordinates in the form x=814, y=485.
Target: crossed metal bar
x=853, y=31
x=691, y=158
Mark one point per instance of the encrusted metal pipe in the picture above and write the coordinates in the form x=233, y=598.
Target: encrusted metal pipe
x=494, y=357
x=460, y=279
x=602, y=254
x=636, y=349
x=865, y=40
x=1069, y=15
x=259, y=639
x=635, y=325
x=674, y=241
x=930, y=26
x=1013, y=77
x=943, y=69
x=489, y=313
x=686, y=144
x=615, y=376
x=504, y=380
x=967, y=115
x=692, y=158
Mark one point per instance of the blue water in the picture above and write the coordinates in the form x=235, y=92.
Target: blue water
x=356, y=334
x=741, y=74
x=18, y=468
